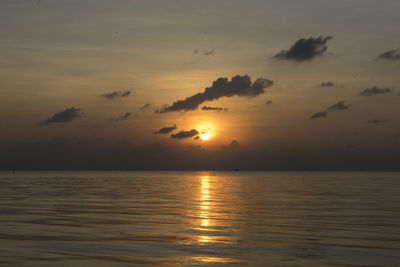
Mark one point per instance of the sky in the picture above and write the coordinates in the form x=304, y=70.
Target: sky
x=273, y=85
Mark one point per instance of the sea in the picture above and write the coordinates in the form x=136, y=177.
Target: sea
x=205, y=218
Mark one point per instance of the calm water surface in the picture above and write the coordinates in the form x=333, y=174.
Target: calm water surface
x=199, y=218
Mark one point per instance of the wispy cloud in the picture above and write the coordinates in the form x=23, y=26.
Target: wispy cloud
x=145, y=107
x=123, y=117
x=214, y=108
x=204, y=52
x=321, y=114
x=116, y=94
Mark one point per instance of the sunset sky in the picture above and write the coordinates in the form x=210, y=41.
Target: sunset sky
x=134, y=84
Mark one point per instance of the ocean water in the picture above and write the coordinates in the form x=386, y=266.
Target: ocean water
x=199, y=219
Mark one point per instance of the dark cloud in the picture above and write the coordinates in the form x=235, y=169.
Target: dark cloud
x=305, y=49
x=214, y=108
x=222, y=87
x=63, y=116
x=390, y=55
x=269, y=102
x=185, y=134
x=116, y=94
x=376, y=121
x=123, y=117
x=321, y=114
x=126, y=93
x=339, y=106
x=205, y=52
x=327, y=84
x=374, y=91
x=166, y=130
x=145, y=107
x=330, y=84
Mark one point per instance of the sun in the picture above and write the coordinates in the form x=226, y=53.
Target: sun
x=204, y=136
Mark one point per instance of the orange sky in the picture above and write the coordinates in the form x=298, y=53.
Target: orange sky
x=58, y=55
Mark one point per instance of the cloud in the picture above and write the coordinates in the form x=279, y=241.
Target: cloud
x=185, y=134
x=166, y=130
x=63, y=116
x=214, y=108
x=321, y=114
x=339, y=106
x=390, y=55
x=145, y=107
x=327, y=84
x=222, y=87
x=305, y=49
x=123, y=117
x=376, y=121
x=116, y=94
x=269, y=102
x=205, y=52
x=126, y=93
x=330, y=84
x=374, y=91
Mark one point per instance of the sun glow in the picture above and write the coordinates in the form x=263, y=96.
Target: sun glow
x=204, y=136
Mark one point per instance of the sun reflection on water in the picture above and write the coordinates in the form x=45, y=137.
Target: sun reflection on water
x=205, y=206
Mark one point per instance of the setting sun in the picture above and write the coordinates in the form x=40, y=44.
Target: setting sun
x=204, y=136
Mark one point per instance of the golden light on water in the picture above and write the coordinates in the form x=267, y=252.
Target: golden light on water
x=204, y=205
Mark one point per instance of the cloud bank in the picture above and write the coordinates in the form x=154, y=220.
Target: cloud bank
x=305, y=49
x=222, y=87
